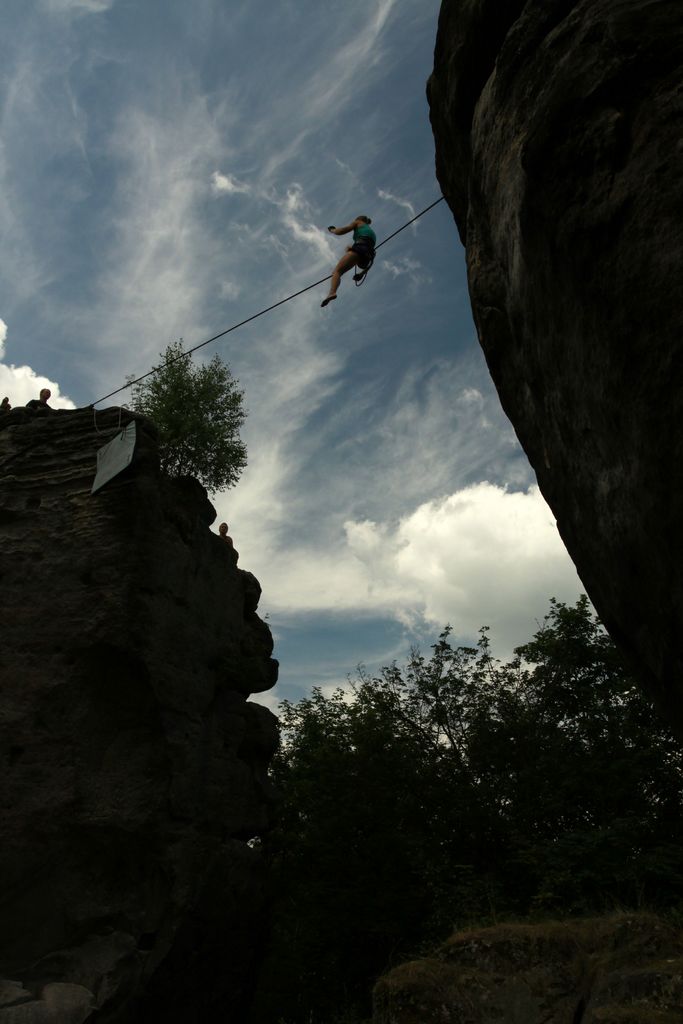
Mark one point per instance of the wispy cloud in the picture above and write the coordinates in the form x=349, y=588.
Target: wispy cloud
x=329, y=83
x=404, y=203
x=230, y=290
x=78, y=6
x=28, y=109
x=297, y=219
x=225, y=183
x=161, y=261
x=430, y=436
x=404, y=266
x=312, y=235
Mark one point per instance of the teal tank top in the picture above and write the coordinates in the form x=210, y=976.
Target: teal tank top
x=364, y=233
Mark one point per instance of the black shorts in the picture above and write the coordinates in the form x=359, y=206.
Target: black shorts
x=365, y=253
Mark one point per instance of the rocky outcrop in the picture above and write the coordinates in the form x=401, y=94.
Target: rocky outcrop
x=627, y=969
x=133, y=766
x=559, y=139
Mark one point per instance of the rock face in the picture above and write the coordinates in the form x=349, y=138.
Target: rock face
x=620, y=970
x=133, y=767
x=559, y=141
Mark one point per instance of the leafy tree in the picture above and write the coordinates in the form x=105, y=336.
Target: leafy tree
x=198, y=411
x=458, y=789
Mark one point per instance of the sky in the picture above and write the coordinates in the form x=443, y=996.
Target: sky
x=168, y=169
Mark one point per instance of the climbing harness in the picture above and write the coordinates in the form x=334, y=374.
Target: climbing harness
x=359, y=277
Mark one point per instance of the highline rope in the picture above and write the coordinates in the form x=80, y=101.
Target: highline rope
x=255, y=316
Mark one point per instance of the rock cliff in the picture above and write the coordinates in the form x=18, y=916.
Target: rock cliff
x=559, y=140
x=627, y=969
x=133, y=767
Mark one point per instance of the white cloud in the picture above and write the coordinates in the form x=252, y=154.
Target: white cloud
x=439, y=432
x=21, y=383
x=348, y=172
x=404, y=265
x=404, y=203
x=225, y=183
x=481, y=556
x=294, y=199
x=269, y=699
x=313, y=236
x=297, y=219
x=407, y=267
x=472, y=396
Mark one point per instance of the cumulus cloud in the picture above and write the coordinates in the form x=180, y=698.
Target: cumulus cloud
x=226, y=184
x=437, y=435
x=21, y=383
x=481, y=556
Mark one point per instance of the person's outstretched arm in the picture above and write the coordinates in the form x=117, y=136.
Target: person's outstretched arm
x=342, y=231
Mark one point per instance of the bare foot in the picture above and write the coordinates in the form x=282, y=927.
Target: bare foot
x=326, y=300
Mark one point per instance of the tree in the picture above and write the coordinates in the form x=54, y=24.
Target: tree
x=198, y=412
x=458, y=789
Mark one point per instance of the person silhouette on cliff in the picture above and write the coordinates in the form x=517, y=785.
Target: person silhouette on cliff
x=4, y=405
x=360, y=254
x=40, y=403
x=224, y=535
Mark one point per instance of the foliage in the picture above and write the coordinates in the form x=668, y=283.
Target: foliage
x=457, y=790
x=198, y=411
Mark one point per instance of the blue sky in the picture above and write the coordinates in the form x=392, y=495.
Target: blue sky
x=167, y=169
